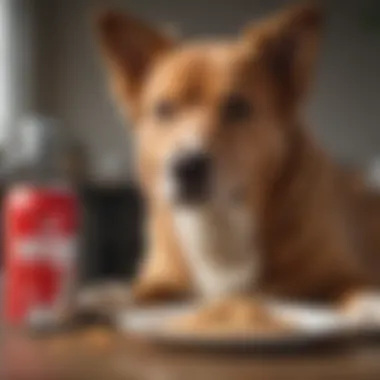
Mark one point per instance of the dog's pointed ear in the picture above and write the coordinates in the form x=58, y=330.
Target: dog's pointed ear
x=288, y=43
x=129, y=47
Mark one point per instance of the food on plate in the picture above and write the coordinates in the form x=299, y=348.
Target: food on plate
x=230, y=316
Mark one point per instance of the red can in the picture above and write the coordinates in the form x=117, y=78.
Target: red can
x=41, y=235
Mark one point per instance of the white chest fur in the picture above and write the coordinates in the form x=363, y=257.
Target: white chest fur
x=219, y=248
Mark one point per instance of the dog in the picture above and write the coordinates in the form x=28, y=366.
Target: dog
x=241, y=197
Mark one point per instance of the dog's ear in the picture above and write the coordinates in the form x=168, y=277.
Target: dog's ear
x=288, y=44
x=129, y=47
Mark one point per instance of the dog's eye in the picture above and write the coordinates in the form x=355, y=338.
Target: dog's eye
x=164, y=110
x=235, y=109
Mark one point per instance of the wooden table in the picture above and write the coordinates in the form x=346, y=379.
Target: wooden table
x=99, y=353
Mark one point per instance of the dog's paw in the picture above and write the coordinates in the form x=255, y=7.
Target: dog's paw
x=362, y=309
x=155, y=290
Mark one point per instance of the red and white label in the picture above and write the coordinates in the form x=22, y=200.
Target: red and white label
x=41, y=229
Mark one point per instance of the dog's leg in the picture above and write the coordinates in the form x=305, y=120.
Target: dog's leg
x=163, y=274
x=160, y=279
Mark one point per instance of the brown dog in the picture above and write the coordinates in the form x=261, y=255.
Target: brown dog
x=241, y=197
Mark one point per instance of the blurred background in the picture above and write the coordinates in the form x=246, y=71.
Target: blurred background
x=50, y=70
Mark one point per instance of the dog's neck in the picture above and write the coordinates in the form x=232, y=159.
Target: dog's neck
x=217, y=241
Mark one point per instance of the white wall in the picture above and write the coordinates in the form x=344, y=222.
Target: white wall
x=345, y=108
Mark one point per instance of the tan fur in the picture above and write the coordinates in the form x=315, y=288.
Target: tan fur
x=307, y=210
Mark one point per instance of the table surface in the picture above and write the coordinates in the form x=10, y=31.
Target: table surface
x=100, y=353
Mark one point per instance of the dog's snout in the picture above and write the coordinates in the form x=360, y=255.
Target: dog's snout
x=192, y=169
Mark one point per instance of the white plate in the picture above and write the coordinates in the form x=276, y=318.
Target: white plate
x=315, y=326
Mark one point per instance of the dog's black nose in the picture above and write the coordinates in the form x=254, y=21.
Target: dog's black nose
x=192, y=168
x=192, y=173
